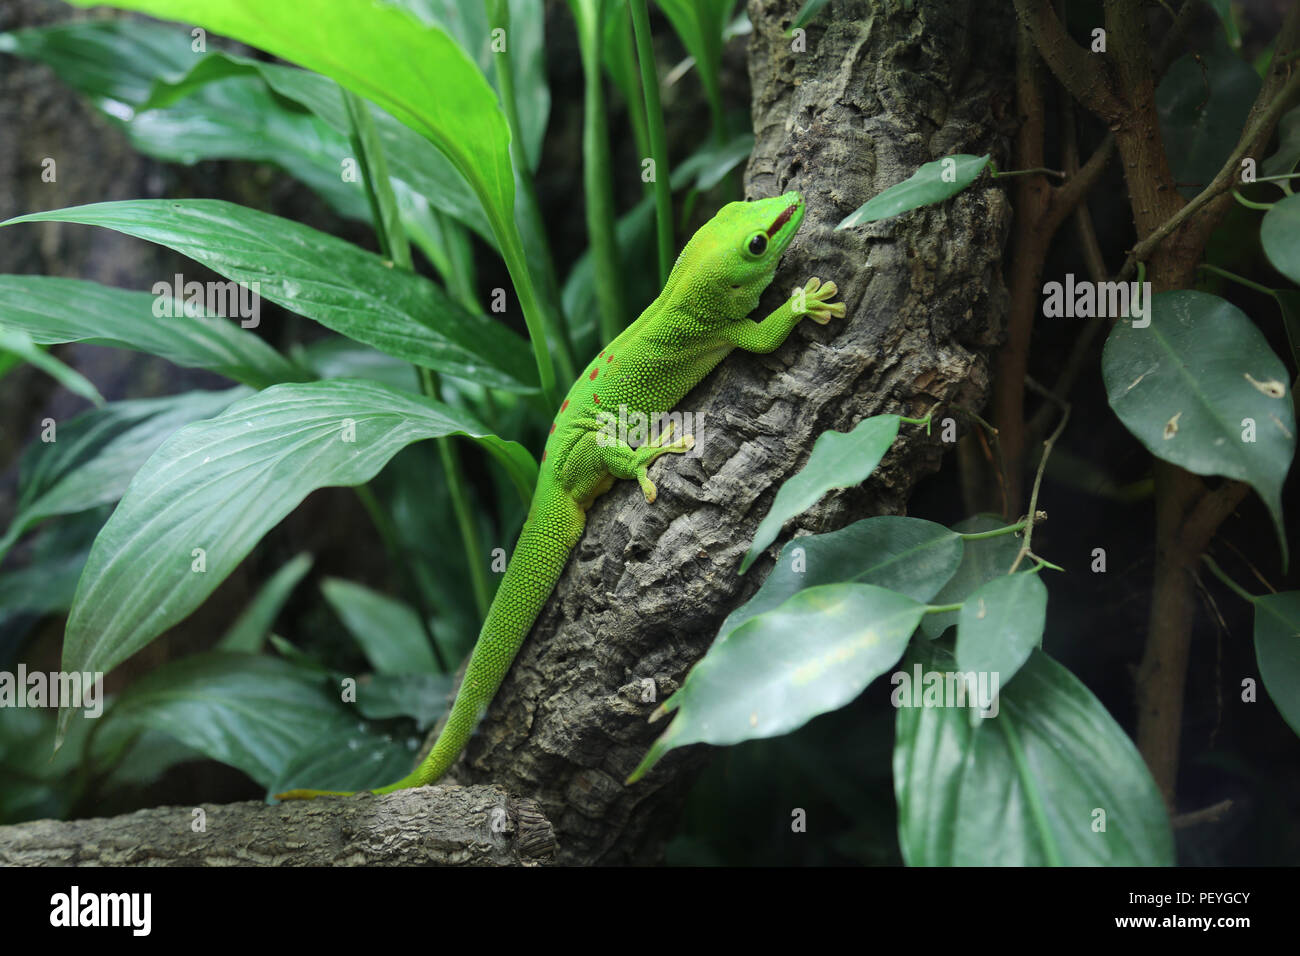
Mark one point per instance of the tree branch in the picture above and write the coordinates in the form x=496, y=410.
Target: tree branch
x=429, y=826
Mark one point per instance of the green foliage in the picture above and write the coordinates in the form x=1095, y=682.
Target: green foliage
x=933, y=182
x=760, y=680
x=1200, y=387
x=90, y=460
x=1050, y=780
x=388, y=631
x=316, y=275
x=1277, y=648
x=838, y=460
x=215, y=487
x=54, y=311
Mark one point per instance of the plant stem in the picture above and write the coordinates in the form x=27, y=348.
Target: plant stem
x=1240, y=280
x=526, y=187
x=658, y=149
x=596, y=173
x=1233, y=586
x=475, y=558
x=1250, y=203
x=995, y=533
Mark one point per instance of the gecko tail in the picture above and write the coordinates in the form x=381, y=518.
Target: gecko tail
x=552, y=529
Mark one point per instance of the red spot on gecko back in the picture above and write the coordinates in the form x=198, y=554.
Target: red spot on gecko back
x=611, y=357
x=595, y=398
x=543, y=454
x=565, y=405
x=552, y=431
x=593, y=374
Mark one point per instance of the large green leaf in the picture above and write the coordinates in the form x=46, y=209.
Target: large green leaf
x=115, y=63
x=251, y=712
x=933, y=182
x=94, y=456
x=55, y=310
x=1200, y=387
x=411, y=158
x=837, y=460
x=1277, y=648
x=1032, y=786
x=1000, y=624
x=810, y=655
x=216, y=487
x=1279, y=234
x=347, y=762
x=388, y=631
x=417, y=73
x=341, y=286
x=422, y=697
x=907, y=555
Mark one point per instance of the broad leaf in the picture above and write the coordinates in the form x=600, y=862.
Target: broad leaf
x=417, y=73
x=1000, y=624
x=1277, y=648
x=933, y=182
x=388, y=631
x=94, y=456
x=422, y=697
x=116, y=63
x=54, y=310
x=1200, y=387
x=1279, y=234
x=254, y=713
x=907, y=555
x=815, y=653
x=837, y=460
x=1052, y=779
x=213, y=489
x=348, y=762
x=411, y=158
x=341, y=286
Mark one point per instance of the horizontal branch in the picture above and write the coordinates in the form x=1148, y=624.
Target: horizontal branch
x=429, y=826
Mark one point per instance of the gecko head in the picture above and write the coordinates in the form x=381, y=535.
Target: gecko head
x=733, y=257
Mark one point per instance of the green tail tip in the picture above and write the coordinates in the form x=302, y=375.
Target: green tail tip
x=313, y=794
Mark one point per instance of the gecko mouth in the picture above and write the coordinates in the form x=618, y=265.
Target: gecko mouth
x=781, y=220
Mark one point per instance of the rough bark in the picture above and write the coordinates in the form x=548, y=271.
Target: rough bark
x=879, y=91
x=432, y=826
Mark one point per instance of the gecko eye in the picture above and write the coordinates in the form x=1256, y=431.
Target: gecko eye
x=757, y=244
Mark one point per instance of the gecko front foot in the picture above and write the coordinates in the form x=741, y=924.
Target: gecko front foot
x=813, y=300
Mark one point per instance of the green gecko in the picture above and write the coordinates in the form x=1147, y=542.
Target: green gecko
x=701, y=315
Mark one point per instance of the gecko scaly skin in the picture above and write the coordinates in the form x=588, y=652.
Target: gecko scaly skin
x=699, y=317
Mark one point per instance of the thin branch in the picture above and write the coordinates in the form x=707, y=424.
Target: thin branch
x=1085, y=74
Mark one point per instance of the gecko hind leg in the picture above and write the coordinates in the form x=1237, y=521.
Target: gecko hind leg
x=624, y=461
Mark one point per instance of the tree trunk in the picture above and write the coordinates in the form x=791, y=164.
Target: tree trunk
x=877, y=92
